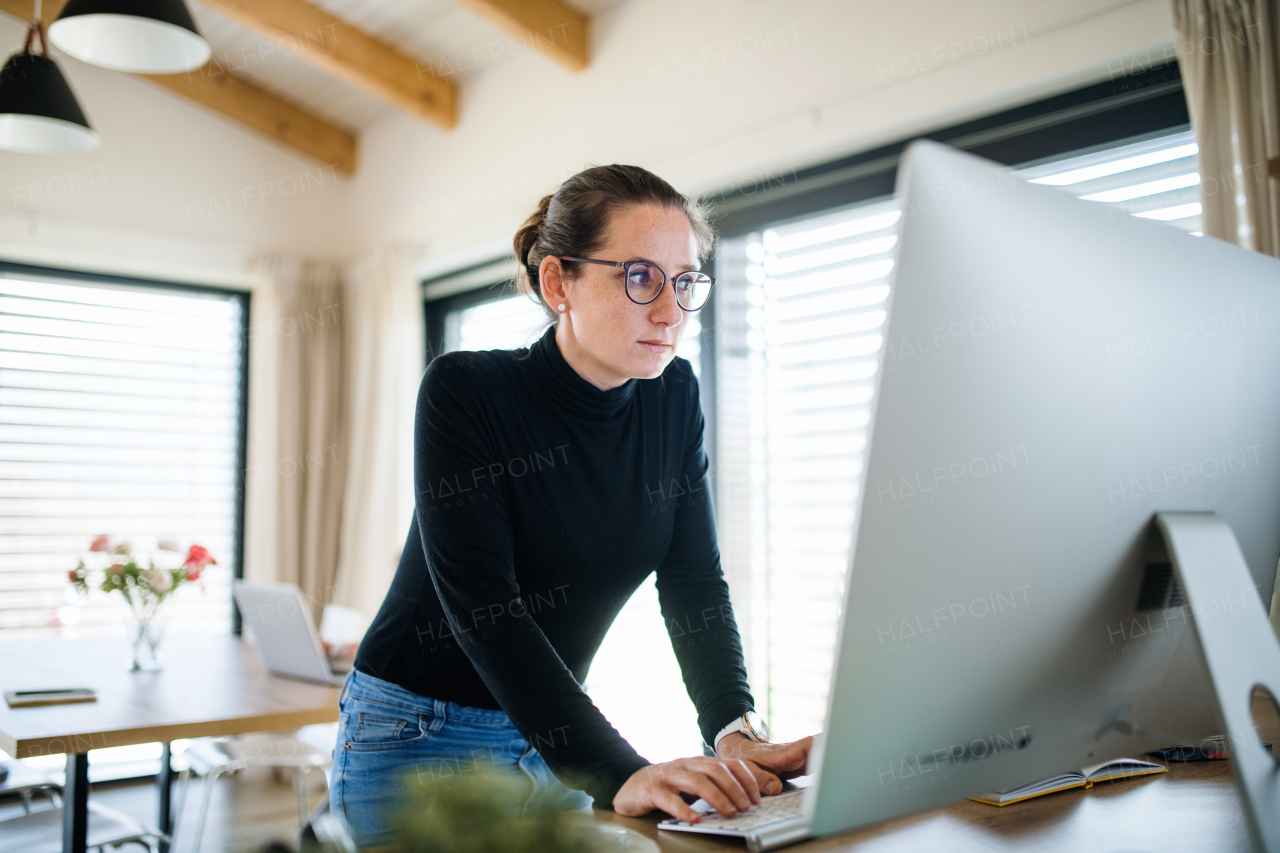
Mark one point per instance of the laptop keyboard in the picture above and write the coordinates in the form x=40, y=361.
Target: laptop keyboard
x=771, y=810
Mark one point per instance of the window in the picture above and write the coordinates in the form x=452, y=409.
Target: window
x=800, y=311
x=1154, y=179
x=120, y=413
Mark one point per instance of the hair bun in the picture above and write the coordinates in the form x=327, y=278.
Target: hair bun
x=527, y=237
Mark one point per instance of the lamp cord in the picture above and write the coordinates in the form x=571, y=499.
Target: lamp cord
x=36, y=30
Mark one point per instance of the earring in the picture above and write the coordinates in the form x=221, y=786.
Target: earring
x=560, y=307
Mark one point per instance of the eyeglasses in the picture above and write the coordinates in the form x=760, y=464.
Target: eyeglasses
x=645, y=282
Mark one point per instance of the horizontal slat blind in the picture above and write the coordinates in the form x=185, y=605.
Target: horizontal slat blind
x=800, y=318
x=119, y=413
x=1154, y=179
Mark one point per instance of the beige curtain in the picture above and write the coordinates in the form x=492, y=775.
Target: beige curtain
x=1228, y=53
x=385, y=344
x=1231, y=73
x=298, y=444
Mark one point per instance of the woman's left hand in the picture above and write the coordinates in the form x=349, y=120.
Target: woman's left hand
x=770, y=762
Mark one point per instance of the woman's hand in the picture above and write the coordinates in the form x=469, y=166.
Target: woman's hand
x=770, y=763
x=729, y=786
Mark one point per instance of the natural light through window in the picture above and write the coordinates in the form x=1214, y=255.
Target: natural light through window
x=119, y=415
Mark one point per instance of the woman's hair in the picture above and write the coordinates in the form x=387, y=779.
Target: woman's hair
x=573, y=219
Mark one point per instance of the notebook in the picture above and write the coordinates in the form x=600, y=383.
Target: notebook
x=1120, y=768
x=51, y=696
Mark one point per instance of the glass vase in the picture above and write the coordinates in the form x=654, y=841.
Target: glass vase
x=145, y=627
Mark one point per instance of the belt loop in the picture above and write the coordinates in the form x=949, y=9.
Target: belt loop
x=346, y=686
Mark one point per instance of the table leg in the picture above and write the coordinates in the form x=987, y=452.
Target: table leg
x=165, y=782
x=75, y=804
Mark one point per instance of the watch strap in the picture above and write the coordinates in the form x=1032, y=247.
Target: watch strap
x=739, y=724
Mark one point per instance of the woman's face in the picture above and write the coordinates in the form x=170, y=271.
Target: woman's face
x=604, y=336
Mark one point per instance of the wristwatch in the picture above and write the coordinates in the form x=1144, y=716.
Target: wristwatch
x=750, y=724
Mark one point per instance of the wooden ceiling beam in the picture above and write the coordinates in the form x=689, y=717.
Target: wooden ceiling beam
x=552, y=27
x=223, y=92
x=349, y=54
x=243, y=102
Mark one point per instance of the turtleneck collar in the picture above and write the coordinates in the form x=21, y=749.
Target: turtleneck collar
x=571, y=391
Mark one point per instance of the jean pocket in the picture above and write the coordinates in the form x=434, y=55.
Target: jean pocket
x=373, y=732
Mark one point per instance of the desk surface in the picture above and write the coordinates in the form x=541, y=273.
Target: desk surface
x=1193, y=807
x=211, y=686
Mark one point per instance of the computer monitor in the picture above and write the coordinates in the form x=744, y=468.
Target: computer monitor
x=1054, y=373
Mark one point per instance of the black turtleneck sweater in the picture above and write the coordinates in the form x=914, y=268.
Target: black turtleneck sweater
x=542, y=503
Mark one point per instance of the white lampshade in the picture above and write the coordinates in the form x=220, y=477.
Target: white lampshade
x=39, y=135
x=137, y=36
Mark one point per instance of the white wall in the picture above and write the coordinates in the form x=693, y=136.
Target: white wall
x=705, y=93
x=714, y=92
x=173, y=189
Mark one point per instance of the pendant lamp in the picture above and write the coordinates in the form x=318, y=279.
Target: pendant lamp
x=38, y=111
x=138, y=36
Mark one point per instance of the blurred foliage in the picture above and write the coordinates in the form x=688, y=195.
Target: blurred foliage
x=478, y=811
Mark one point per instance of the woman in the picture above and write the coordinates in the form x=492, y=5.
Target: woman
x=550, y=482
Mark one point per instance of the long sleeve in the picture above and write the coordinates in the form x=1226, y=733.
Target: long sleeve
x=467, y=537
x=694, y=596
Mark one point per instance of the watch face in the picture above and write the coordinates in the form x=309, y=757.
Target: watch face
x=757, y=724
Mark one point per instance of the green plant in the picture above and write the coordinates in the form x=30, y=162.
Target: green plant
x=478, y=811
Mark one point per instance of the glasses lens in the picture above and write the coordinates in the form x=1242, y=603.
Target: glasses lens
x=692, y=289
x=643, y=282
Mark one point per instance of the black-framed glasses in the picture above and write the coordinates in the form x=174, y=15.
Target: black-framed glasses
x=645, y=282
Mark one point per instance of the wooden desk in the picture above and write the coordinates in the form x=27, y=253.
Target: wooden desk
x=211, y=686
x=1193, y=807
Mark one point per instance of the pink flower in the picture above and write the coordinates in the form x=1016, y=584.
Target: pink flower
x=116, y=568
x=193, y=574
x=73, y=575
x=123, y=548
x=198, y=557
x=102, y=543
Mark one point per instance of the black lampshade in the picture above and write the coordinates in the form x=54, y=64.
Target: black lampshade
x=139, y=36
x=38, y=111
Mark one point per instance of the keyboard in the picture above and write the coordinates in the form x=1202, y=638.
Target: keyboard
x=777, y=820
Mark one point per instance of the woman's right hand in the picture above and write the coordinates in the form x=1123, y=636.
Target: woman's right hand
x=727, y=784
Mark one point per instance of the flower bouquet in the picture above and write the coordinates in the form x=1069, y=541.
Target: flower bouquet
x=144, y=589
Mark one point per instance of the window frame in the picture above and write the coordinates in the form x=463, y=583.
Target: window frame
x=243, y=298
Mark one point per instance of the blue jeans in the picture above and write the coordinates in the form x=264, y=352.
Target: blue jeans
x=385, y=730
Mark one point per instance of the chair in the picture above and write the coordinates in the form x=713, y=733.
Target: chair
x=326, y=831
x=25, y=781
x=212, y=757
x=41, y=831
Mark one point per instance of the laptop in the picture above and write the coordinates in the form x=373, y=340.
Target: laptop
x=1010, y=611
x=284, y=635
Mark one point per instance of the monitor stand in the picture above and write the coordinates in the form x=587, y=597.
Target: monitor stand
x=1239, y=648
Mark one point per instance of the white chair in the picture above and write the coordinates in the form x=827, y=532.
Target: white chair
x=41, y=831
x=213, y=757
x=25, y=781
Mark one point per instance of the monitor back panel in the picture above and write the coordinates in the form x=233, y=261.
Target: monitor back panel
x=1054, y=372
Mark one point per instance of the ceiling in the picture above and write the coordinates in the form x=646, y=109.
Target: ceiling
x=439, y=34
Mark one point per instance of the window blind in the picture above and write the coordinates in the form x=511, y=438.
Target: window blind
x=800, y=317
x=119, y=414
